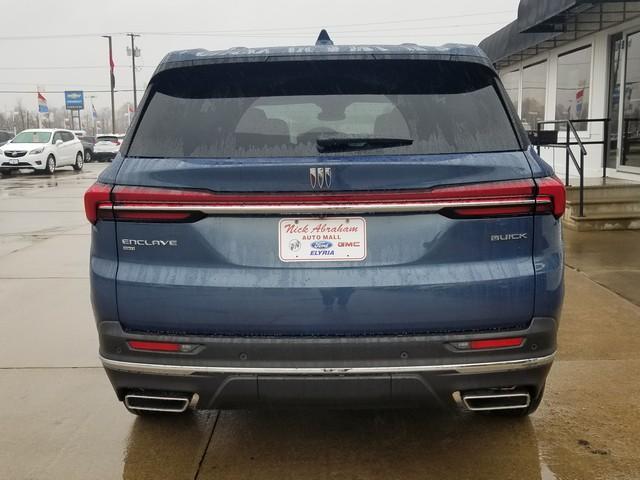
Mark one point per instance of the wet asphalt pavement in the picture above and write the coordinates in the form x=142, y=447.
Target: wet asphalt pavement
x=59, y=418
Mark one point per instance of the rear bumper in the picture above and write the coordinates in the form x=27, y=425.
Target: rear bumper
x=462, y=368
x=226, y=372
x=103, y=155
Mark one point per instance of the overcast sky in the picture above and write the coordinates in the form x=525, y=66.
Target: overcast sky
x=57, y=45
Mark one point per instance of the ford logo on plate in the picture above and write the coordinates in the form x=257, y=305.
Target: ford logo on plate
x=321, y=245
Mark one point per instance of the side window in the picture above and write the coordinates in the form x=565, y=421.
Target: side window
x=574, y=81
x=534, y=94
x=511, y=82
x=67, y=136
x=57, y=136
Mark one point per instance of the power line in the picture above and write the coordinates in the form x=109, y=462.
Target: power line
x=264, y=31
x=355, y=34
x=386, y=22
x=62, y=91
x=21, y=84
x=421, y=27
x=74, y=67
x=350, y=33
x=303, y=32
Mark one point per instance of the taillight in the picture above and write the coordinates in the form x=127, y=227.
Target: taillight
x=496, y=343
x=551, y=197
x=489, y=343
x=95, y=198
x=161, y=346
x=491, y=199
x=493, y=211
x=513, y=198
x=148, y=204
x=500, y=199
x=160, y=216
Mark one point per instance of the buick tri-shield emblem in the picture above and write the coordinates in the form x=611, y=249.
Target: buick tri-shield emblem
x=320, y=177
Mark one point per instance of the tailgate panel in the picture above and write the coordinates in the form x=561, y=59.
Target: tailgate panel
x=423, y=273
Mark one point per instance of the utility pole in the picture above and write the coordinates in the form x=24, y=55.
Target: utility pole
x=134, y=53
x=112, y=79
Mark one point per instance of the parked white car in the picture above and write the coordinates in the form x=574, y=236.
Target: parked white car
x=107, y=146
x=42, y=149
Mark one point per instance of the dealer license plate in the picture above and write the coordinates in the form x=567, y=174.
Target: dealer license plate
x=322, y=239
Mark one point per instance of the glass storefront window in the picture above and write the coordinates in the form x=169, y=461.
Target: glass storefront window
x=574, y=79
x=534, y=91
x=631, y=109
x=511, y=82
x=615, y=79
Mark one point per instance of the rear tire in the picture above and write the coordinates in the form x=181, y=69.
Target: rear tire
x=79, y=162
x=87, y=156
x=50, y=166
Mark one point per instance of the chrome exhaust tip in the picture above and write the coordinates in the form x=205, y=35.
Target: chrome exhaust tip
x=157, y=403
x=491, y=400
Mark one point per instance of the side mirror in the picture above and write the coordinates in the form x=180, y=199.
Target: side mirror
x=58, y=142
x=543, y=137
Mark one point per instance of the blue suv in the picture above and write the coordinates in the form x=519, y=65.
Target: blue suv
x=327, y=225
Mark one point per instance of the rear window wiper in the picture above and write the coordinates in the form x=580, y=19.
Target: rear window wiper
x=346, y=144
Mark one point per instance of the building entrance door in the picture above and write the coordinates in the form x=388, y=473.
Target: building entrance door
x=628, y=114
x=615, y=78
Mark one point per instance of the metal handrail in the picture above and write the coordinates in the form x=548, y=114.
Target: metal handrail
x=583, y=151
x=575, y=134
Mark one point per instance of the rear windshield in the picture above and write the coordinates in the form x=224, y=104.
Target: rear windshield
x=112, y=139
x=292, y=109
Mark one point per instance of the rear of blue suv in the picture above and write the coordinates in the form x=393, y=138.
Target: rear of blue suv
x=338, y=226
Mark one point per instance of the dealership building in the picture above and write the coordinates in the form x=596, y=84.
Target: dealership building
x=576, y=60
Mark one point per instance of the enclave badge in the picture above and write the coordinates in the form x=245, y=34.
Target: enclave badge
x=320, y=177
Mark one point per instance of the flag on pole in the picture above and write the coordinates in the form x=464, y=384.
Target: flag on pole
x=579, y=101
x=42, y=104
x=93, y=111
x=111, y=67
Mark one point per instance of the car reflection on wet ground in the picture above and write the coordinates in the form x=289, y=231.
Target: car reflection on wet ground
x=60, y=418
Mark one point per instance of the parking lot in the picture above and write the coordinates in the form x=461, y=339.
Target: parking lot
x=60, y=418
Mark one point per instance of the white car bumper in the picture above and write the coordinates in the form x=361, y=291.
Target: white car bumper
x=33, y=161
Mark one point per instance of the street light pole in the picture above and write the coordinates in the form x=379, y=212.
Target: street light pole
x=112, y=83
x=133, y=69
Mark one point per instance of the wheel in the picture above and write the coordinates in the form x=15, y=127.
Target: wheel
x=6, y=173
x=87, y=156
x=521, y=412
x=79, y=162
x=50, y=167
